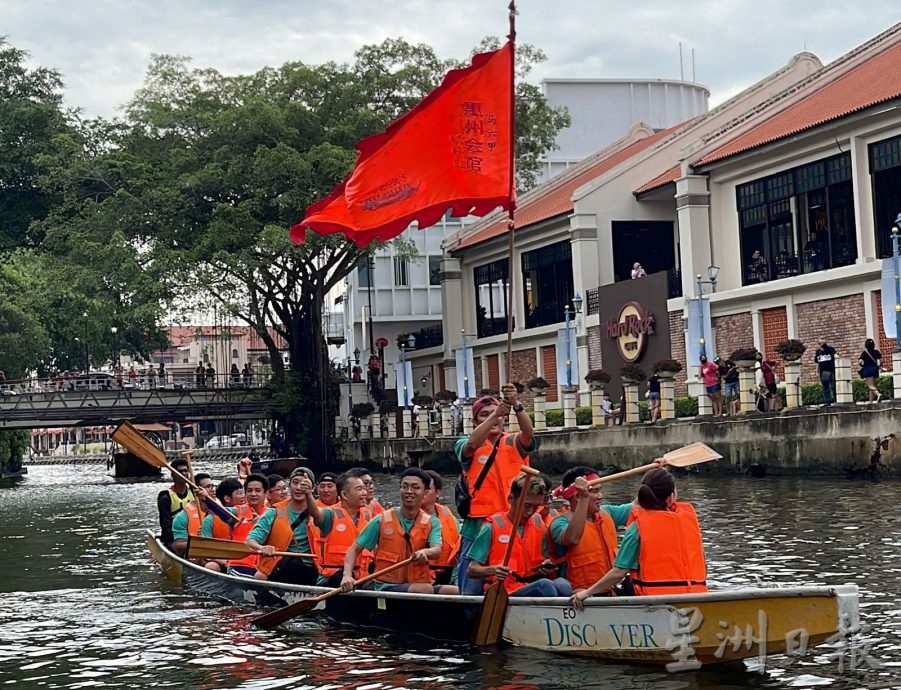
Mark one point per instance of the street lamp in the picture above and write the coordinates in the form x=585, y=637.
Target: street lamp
x=114, y=331
x=895, y=228
x=712, y=273
x=569, y=313
x=87, y=356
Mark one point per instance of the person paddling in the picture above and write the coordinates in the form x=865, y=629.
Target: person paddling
x=398, y=534
x=443, y=572
x=523, y=576
x=284, y=528
x=172, y=501
x=583, y=540
x=188, y=522
x=500, y=454
x=230, y=495
x=662, y=548
x=348, y=517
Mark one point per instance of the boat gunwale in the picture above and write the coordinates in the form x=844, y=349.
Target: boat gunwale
x=673, y=600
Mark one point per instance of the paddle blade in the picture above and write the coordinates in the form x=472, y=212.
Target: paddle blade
x=204, y=547
x=490, y=623
x=693, y=454
x=286, y=613
x=127, y=436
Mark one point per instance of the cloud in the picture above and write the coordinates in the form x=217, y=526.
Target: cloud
x=103, y=47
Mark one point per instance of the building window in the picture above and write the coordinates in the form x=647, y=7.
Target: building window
x=435, y=270
x=798, y=221
x=491, y=297
x=364, y=272
x=234, y=354
x=547, y=279
x=401, y=272
x=885, y=167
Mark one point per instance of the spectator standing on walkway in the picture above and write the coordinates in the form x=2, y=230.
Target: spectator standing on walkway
x=638, y=271
x=211, y=376
x=654, y=397
x=768, y=371
x=870, y=360
x=729, y=373
x=825, y=359
x=710, y=374
x=151, y=377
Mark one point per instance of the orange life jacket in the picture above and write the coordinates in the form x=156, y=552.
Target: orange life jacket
x=526, y=554
x=590, y=559
x=280, y=536
x=394, y=546
x=671, y=552
x=246, y=518
x=333, y=548
x=375, y=508
x=491, y=496
x=195, y=521
x=450, y=535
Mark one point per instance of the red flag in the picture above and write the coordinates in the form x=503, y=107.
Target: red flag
x=451, y=151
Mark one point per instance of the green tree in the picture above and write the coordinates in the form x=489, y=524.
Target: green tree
x=190, y=200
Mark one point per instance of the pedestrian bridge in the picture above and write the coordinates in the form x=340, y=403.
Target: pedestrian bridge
x=35, y=410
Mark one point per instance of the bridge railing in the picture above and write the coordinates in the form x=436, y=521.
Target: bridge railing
x=132, y=380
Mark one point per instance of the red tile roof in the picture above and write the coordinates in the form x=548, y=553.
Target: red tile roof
x=670, y=175
x=875, y=81
x=182, y=335
x=555, y=196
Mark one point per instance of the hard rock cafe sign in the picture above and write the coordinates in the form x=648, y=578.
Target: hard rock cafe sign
x=630, y=330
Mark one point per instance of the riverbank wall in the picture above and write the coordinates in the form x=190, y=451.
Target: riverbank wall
x=853, y=440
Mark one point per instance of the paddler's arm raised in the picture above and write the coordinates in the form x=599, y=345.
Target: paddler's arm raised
x=480, y=434
x=511, y=398
x=576, y=527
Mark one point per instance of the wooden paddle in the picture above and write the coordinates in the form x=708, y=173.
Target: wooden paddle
x=490, y=622
x=693, y=454
x=270, y=620
x=127, y=436
x=204, y=547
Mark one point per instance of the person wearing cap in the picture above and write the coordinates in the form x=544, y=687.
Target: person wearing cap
x=583, y=540
x=171, y=501
x=825, y=359
x=284, y=528
x=327, y=489
x=500, y=455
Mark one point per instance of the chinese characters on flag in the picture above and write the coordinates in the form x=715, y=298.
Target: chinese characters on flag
x=451, y=151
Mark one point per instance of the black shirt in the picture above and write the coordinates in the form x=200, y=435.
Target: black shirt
x=870, y=359
x=825, y=359
x=654, y=384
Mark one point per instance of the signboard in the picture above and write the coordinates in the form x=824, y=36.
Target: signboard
x=404, y=373
x=888, y=298
x=467, y=387
x=567, y=374
x=631, y=330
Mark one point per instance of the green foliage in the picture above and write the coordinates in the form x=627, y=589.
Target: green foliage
x=13, y=445
x=554, y=416
x=686, y=407
x=362, y=410
x=812, y=393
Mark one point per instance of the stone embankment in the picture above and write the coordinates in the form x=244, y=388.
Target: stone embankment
x=201, y=454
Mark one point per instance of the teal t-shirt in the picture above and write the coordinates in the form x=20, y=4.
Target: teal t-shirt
x=481, y=547
x=627, y=555
x=618, y=513
x=300, y=543
x=471, y=526
x=180, y=525
x=369, y=537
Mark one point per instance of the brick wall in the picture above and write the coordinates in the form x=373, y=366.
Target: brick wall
x=883, y=344
x=479, y=378
x=732, y=332
x=525, y=367
x=677, y=350
x=840, y=320
x=595, y=359
x=549, y=370
x=494, y=374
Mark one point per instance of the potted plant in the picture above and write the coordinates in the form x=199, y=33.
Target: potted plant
x=387, y=406
x=744, y=357
x=791, y=350
x=520, y=389
x=667, y=368
x=362, y=410
x=537, y=385
x=422, y=400
x=632, y=373
x=596, y=378
x=445, y=397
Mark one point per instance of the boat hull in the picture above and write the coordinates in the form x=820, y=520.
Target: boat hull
x=630, y=629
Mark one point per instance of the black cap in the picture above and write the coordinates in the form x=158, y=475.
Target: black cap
x=328, y=477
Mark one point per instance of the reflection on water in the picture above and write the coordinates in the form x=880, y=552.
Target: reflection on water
x=84, y=607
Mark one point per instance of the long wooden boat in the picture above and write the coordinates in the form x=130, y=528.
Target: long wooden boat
x=632, y=629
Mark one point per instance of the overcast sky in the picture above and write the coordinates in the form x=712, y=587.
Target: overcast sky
x=102, y=47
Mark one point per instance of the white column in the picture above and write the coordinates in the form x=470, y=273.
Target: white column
x=392, y=426
x=597, y=412
x=843, y=390
x=451, y=276
x=862, y=189
x=632, y=412
x=376, y=424
x=667, y=399
x=539, y=402
x=792, y=385
x=446, y=420
x=693, y=214
x=896, y=373
x=569, y=408
x=466, y=411
x=745, y=392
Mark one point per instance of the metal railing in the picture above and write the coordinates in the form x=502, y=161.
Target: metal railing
x=107, y=381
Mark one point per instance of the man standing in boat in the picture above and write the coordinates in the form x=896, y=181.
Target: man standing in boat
x=284, y=528
x=524, y=575
x=172, y=501
x=398, y=534
x=662, y=548
x=490, y=459
x=583, y=539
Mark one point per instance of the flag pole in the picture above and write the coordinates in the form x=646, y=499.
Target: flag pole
x=511, y=212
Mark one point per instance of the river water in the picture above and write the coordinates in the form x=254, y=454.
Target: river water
x=82, y=605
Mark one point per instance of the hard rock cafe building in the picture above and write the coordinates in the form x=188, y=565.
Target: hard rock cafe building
x=790, y=188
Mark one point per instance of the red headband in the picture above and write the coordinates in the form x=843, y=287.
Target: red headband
x=482, y=402
x=570, y=490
